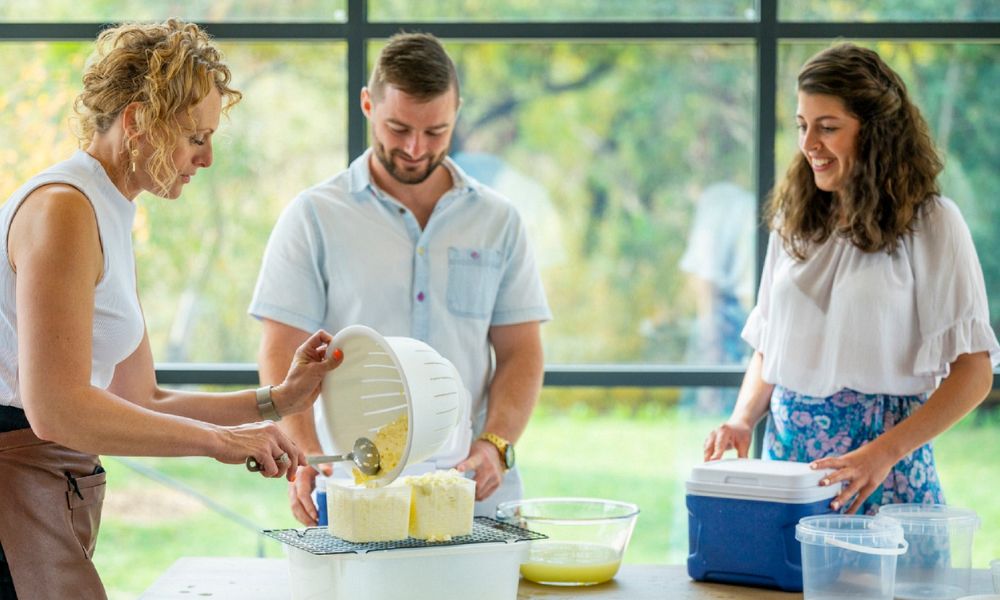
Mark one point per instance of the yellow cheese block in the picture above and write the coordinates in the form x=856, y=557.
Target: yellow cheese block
x=441, y=505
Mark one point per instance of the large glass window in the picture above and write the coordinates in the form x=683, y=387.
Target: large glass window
x=633, y=166
x=888, y=10
x=632, y=162
x=35, y=105
x=114, y=11
x=562, y=10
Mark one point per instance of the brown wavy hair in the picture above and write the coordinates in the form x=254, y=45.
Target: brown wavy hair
x=168, y=68
x=894, y=176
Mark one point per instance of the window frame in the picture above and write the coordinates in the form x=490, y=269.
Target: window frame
x=766, y=33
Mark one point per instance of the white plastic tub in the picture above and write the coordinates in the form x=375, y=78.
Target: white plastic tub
x=846, y=556
x=488, y=571
x=938, y=565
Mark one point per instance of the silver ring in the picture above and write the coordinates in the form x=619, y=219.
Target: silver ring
x=283, y=459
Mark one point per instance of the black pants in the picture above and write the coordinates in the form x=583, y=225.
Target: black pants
x=6, y=583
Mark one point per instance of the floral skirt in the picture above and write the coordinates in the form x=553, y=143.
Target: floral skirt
x=805, y=428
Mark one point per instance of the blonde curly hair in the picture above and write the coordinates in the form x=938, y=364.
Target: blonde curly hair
x=168, y=68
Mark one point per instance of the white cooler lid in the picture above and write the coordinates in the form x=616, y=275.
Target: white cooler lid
x=758, y=479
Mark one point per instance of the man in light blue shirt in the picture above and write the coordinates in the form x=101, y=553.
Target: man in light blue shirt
x=409, y=245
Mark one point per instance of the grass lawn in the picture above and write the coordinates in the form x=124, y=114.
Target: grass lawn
x=644, y=459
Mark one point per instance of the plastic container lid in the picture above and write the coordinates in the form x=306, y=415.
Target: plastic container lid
x=930, y=519
x=758, y=479
x=859, y=533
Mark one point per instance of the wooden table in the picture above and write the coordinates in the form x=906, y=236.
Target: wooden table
x=267, y=579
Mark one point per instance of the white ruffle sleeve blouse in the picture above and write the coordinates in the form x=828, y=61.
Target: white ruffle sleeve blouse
x=873, y=322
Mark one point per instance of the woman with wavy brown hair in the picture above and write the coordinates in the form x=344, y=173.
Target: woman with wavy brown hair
x=871, y=333
x=76, y=371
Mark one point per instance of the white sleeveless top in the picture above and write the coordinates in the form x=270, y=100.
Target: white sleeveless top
x=873, y=322
x=118, y=322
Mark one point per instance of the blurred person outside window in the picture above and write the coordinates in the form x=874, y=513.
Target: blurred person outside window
x=719, y=261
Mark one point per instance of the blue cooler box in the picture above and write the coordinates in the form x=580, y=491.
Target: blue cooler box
x=741, y=520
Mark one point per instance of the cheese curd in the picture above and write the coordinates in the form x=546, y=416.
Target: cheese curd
x=362, y=514
x=441, y=505
x=391, y=442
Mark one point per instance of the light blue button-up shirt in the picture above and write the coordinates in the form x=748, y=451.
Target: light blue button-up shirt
x=344, y=252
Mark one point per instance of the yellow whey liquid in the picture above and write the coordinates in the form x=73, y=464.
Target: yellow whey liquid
x=570, y=563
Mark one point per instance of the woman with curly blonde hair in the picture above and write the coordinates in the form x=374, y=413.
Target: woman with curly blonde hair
x=76, y=371
x=871, y=333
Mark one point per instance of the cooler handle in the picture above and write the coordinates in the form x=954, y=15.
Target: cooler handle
x=832, y=541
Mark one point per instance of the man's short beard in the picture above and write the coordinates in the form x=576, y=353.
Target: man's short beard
x=400, y=175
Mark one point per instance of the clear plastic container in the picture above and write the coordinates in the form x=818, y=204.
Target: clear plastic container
x=938, y=565
x=847, y=556
x=587, y=537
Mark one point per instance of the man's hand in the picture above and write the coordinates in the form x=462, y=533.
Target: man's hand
x=485, y=461
x=300, y=496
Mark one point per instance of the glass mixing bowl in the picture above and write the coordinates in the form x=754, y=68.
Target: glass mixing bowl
x=587, y=537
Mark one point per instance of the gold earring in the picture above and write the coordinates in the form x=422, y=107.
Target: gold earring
x=135, y=154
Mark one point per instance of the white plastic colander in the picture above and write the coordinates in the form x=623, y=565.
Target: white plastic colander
x=382, y=378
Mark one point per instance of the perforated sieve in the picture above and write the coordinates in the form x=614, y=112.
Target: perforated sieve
x=383, y=378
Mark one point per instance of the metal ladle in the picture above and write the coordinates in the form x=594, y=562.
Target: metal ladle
x=365, y=456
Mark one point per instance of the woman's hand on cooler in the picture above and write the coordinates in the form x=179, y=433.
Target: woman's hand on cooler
x=727, y=436
x=275, y=452
x=860, y=471
x=309, y=366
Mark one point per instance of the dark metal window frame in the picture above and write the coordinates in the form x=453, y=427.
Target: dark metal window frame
x=358, y=31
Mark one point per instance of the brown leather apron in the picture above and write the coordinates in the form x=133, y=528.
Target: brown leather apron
x=50, y=511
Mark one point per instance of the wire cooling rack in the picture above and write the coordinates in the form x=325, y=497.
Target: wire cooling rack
x=317, y=540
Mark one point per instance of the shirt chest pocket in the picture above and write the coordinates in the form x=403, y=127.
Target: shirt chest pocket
x=473, y=281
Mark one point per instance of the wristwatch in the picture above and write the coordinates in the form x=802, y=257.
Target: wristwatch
x=265, y=404
x=505, y=448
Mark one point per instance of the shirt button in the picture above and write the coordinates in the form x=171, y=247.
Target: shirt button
x=420, y=250
x=402, y=211
x=420, y=297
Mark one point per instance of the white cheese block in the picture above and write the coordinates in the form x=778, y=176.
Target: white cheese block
x=362, y=514
x=441, y=505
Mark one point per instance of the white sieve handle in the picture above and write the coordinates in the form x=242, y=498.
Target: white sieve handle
x=866, y=549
